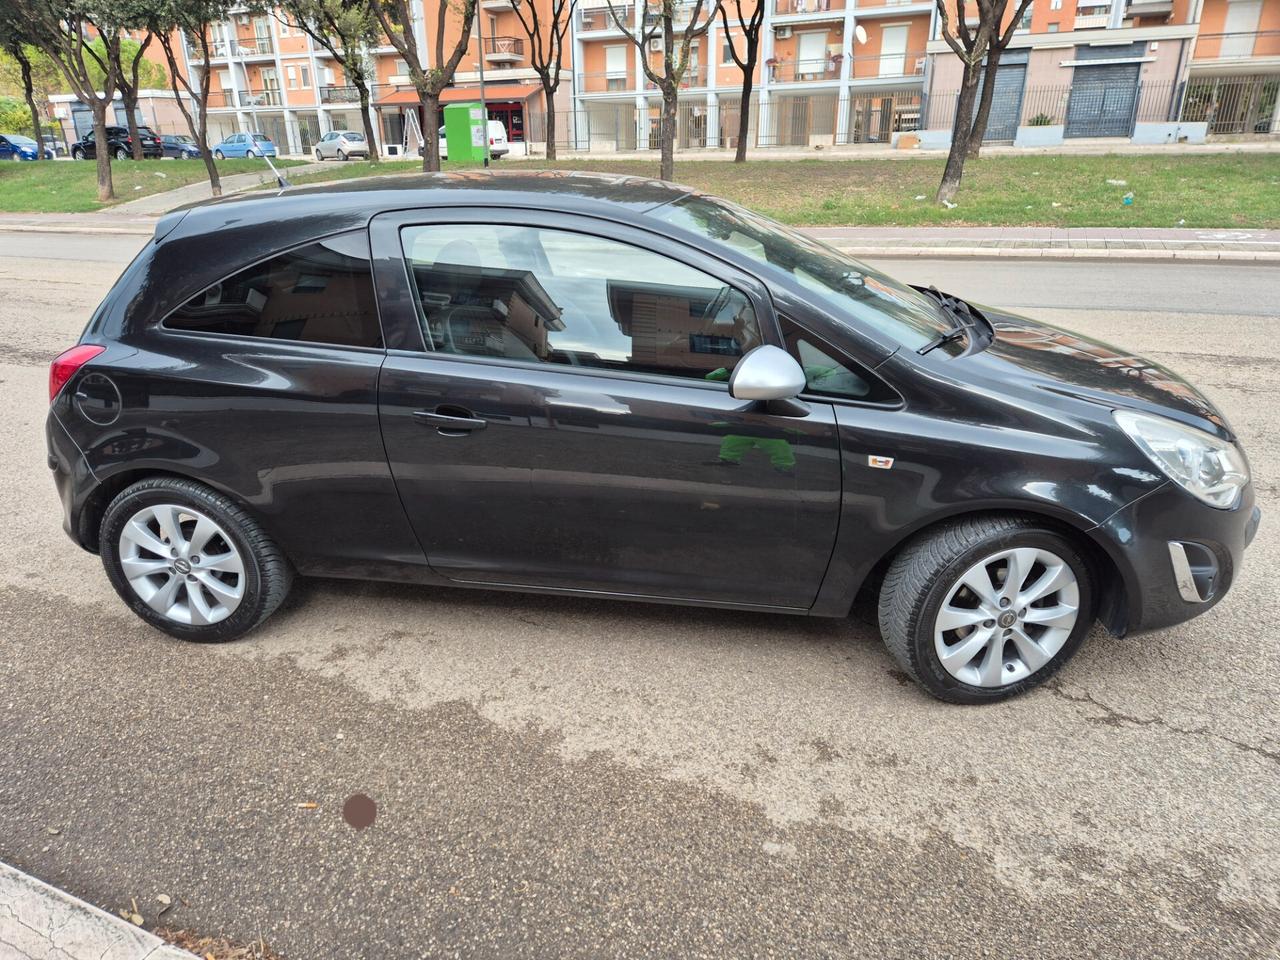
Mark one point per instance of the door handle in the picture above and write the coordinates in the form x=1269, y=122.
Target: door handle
x=449, y=425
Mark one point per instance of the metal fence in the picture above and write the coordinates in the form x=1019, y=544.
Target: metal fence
x=1234, y=106
x=1085, y=109
x=794, y=120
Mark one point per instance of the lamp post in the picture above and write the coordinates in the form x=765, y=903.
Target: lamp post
x=484, y=104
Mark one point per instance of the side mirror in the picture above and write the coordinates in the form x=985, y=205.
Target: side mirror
x=766, y=373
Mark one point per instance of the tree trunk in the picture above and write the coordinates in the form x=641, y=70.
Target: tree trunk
x=744, y=112
x=984, y=102
x=130, y=103
x=430, y=131
x=28, y=91
x=961, y=130
x=362, y=86
x=102, y=153
x=667, y=132
x=548, y=94
x=201, y=132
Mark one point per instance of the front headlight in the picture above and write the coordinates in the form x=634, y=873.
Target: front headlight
x=1211, y=469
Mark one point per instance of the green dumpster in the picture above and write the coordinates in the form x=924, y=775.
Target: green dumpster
x=466, y=134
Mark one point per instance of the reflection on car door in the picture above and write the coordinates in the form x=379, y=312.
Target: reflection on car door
x=569, y=425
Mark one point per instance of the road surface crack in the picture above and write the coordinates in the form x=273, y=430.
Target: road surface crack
x=1116, y=718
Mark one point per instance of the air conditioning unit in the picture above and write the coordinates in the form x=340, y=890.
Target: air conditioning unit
x=782, y=33
x=655, y=45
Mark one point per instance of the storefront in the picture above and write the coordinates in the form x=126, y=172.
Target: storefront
x=400, y=113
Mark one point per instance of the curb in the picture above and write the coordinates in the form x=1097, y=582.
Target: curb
x=35, y=228
x=1059, y=253
x=40, y=922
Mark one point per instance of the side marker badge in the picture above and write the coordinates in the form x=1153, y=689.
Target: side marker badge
x=880, y=463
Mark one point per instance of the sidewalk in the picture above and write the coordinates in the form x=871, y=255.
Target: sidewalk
x=40, y=922
x=158, y=203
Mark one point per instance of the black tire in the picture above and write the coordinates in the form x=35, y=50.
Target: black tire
x=319, y=157
x=341, y=155
x=122, y=153
x=921, y=577
x=267, y=573
x=219, y=155
x=77, y=154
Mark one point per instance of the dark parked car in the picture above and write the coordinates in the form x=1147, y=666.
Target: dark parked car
x=119, y=144
x=617, y=387
x=180, y=146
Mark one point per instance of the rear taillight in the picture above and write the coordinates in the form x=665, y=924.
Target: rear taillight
x=66, y=364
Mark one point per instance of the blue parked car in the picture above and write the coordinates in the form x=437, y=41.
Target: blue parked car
x=16, y=147
x=179, y=146
x=245, y=145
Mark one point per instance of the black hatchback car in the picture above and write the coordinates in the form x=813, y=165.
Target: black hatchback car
x=617, y=387
x=119, y=144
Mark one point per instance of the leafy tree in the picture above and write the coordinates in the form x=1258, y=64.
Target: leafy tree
x=346, y=28
x=394, y=16
x=546, y=52
x=168, y=20
x=749, y=25
x=659, y=21
x=134, y=71
x=29, y=63
x=63, y=29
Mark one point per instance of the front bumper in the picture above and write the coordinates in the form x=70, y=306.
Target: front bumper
x=1150, y=539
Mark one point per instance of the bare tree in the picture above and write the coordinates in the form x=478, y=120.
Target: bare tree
x=346, y=28
x=14, y=42
x=546, y=52
x=63, y=29
x=194, y=19
x=659, y=21
x=129, y=60
x=746, y=61
x=999, y=42
x=397, y=23
x=970, y=44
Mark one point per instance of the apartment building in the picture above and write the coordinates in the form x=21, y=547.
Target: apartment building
x=831, y=73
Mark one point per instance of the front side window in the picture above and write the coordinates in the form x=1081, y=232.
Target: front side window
x=553, y=296
x=320, y=293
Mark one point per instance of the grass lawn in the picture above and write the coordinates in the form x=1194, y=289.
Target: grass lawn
x=1215, y=190
x=71, y=186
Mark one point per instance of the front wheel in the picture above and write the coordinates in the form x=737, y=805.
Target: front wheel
x=319, y=155
x=986, y=608
x=191, y=562
x=219, y=155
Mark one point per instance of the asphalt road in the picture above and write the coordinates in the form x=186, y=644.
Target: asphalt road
x=570, y=778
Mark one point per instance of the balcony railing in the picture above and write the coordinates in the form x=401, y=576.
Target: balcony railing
x=245, y=98
x=242, y=47
x=1238, y=46
x=340, y=94
x=693, y=77
x=503, y=48
x=610, y=82
x=680, y=12
x=599, y=18
x=828, y=68
x=784, y=8
x=909, y=64
x=1093, y=21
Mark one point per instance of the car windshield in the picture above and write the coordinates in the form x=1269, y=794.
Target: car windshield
x=181, y=138
x=19, y=141
x=146, y=131
x=843, y=285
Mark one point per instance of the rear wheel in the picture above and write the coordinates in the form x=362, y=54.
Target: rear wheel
x=191, y=562
x=341, y=155
x=219, y=155
x=983, y=609
x=122, y=153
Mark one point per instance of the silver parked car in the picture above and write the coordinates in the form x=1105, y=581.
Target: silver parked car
x=342, y=144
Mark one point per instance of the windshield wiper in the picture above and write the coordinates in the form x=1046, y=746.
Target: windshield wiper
x=965, y=322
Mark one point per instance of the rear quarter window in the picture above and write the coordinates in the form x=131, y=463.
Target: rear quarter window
x=318, y=293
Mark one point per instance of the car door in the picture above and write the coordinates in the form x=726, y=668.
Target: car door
x=89, y=146
x=7, y=151
x=556, y=414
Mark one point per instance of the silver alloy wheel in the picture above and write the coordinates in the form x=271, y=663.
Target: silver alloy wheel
x=182, y=564
x=1006, y=617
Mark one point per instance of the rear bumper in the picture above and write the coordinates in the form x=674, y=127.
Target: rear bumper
x=1177, y=556
x=72, y=478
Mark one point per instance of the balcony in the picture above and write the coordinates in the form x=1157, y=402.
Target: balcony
x=695, y=76
x=888, y=66
x=503, y=49
x=1096, y=21
x=800, y=71
x=1237, y=46
x=254, y=47
x=599, y=18
x=787, y=8
x=610, y=82
x=496, y=6
x=680, y=13
x=341, y=94
x=237, y=99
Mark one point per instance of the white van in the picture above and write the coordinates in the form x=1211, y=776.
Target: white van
x=498, y=146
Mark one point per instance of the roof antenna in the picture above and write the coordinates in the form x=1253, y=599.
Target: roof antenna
x=281, y=182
